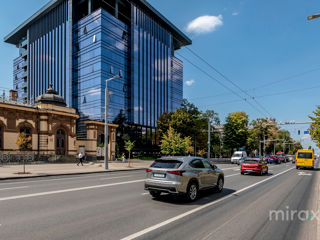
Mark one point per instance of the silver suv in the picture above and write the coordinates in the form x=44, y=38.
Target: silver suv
x=182, y=175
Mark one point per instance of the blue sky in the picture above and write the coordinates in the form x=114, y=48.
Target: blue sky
x=254, y=43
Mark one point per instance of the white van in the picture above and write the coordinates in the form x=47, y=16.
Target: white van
x=237, y=155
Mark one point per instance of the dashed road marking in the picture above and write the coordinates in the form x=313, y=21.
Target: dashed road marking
x=176, y=218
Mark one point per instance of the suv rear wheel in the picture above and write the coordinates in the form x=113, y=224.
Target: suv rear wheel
x=192, y=191
x=155, y=194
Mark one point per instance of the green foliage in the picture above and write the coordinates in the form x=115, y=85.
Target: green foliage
x=173, y=144
x=315, y=126
x=260, y=129
x=190, y=122
x=129, y=145
x=24, y=142
x=236, y=130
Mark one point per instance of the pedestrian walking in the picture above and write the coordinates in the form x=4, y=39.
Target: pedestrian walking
x=80, y=156
x=123, y=157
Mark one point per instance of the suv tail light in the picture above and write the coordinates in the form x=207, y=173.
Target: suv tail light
x=148, y=170
x=176, y=172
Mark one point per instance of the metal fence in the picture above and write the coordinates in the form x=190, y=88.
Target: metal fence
x=32, y=158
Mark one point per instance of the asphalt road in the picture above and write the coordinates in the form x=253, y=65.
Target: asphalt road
x=115, y=206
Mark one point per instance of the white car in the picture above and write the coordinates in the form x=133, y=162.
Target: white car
x=237, y=156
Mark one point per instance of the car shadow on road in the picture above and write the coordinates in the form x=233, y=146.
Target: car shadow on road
x=204, y=197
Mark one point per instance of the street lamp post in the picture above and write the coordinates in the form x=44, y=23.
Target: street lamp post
x=313, y=16
x=106, y=130
x=209, y=138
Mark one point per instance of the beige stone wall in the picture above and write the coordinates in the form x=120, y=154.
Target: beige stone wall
x=49, y=119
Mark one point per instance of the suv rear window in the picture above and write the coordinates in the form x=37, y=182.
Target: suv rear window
x=166, y=164
x=305, y=155
x=251, y=161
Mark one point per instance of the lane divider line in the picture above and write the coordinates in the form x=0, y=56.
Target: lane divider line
x=54, y=179
x=2, y=189
x=68, y=190
x=170, y=220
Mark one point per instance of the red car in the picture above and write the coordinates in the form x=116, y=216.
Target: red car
x=254, y=165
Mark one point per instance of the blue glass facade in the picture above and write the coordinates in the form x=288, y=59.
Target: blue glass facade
x=77, y=45
x=100, y=51
x=152, y=52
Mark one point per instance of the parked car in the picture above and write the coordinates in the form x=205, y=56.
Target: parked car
x=237, y=155
x=274, y=159
x=268, y=159
x=182, y=175
x=281, y=158
x=241, y=160
x=254, y=165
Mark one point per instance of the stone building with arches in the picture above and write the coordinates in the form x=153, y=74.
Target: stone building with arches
x=51, y=125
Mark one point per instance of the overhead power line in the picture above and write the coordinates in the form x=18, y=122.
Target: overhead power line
x=269, y=95
x=229, y=80
x=222, y=84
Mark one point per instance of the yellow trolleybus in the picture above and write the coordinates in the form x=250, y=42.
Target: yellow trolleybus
x=305, y=158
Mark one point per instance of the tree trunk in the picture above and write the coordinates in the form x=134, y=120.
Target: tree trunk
x=129, y=159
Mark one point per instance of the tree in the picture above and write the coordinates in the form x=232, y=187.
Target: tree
x=129, y=146
x=260, y=129
x=123, y=132
x=173, y=144
x=24, y=143
x=315, y=126
x=236, y=130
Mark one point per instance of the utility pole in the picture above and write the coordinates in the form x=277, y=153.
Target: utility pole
x=264, y=145
x=259, y=148
x=209, y=138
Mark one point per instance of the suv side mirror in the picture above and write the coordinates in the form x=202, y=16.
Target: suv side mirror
x=213, y=166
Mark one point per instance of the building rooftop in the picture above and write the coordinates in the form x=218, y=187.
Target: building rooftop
x=21, y=31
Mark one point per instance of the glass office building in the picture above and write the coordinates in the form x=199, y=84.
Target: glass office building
x=77, y=44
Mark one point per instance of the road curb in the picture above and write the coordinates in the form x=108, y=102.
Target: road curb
x=68, y=174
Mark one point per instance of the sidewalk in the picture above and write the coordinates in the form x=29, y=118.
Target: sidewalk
x=40, y=170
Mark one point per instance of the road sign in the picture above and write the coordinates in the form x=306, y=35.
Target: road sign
x=306, y=132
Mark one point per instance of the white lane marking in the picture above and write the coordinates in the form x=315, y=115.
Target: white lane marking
x=1, y=189
x=123, y=176
x=233, y=175
x=68, y=190
x=304, y=174
x=49, y=180
x=170, y=220
x=144, y=193
x=229, y=168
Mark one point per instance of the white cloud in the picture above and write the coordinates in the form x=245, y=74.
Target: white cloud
x=235, y=14
x=205, y=24
x=190, y=82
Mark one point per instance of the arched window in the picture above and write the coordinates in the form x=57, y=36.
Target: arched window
x=26, y=131
x=60, y=142
x=100, y=140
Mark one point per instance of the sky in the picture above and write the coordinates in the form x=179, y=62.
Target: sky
x=267, y=48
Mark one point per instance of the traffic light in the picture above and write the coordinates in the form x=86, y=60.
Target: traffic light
x=298, y=132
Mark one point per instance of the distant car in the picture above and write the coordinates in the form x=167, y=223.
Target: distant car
x=182, y=175
x=281, y=158
x=268, y=159
x=254, y=165
x=241, y=160
x=274, y=159
x=237, y=156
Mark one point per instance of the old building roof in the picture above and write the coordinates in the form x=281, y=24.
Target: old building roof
x=51, y=97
